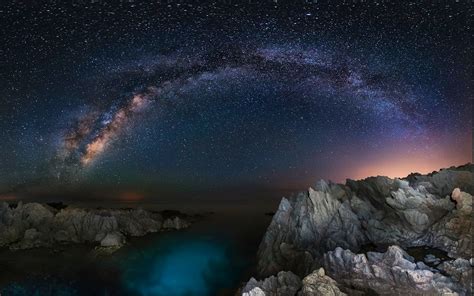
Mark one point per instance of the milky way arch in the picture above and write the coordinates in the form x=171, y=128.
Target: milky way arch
x=311, y=74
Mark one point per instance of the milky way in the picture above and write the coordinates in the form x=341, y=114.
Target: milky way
x=305, y=73
x=172, y=97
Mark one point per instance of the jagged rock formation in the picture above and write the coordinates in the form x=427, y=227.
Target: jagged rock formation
x=432, y=210
x=441, y=183
x=36, y=225
x=391, y=273
x=289, y=284
x=285, y=284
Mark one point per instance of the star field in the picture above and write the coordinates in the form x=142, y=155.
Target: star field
x=172, y=96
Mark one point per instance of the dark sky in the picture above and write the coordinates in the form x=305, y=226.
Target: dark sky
x=139, y=99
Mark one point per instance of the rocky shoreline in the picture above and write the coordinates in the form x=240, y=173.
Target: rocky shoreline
x=32, y=225
x=316, y=240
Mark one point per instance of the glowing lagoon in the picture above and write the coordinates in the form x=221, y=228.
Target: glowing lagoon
x=172, y=264
x=180, y=265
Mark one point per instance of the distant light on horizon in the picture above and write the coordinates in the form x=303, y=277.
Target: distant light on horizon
x=130, y=196
x=7, y=197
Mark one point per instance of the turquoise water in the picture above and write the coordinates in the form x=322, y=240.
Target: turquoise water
x=213, y=257
x=181, y=265
x=172, y=264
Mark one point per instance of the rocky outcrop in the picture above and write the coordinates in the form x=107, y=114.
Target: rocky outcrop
x=289, y=284
x=36, y=225
x=432, y=210
x=391, y=273
x=441, y=183
x=284, y=284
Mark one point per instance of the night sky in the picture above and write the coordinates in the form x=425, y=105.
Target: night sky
x=150, y=99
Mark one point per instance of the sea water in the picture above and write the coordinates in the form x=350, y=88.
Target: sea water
x=174, y=264
x=181, y=264
x=213, y=257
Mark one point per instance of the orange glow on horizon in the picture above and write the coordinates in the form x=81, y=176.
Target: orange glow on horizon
x=7, y=197
x=131, y=196
x=399, y=167
x=399, y=161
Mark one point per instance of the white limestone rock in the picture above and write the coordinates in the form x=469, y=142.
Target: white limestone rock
x=392, y=272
